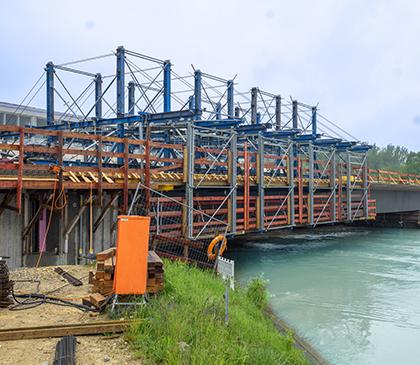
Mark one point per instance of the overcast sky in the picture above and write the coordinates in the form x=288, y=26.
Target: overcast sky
x=359, y=59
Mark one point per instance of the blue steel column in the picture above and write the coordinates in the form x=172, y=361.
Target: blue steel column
x=218, y=110
x=197, y=94
x=131, y=97
x=278, y=113
x=120, y=96
x=167, y=86
x=254, y=94
x=295, y=113
x=230, y=101
x=314, y=124
x=98, y=96
x=50, y=92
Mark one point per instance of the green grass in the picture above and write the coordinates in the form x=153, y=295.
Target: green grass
x=185, y=324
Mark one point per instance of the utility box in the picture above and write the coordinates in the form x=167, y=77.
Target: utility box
x=130, y=275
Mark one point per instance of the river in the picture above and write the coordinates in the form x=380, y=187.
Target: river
x=353, y=294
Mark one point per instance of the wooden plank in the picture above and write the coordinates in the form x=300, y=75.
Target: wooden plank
x=102, y=256
x=76, y=329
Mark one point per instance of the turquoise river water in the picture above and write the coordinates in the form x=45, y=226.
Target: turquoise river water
x=354, y=295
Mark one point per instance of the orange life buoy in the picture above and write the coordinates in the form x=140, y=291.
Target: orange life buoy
x=210, y=250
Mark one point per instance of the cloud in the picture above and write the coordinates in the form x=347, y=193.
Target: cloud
x=355, y=57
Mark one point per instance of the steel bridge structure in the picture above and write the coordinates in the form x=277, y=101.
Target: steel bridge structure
x=225, y=160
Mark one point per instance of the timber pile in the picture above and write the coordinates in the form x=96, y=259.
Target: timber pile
x=154, y=273
x=103, y=278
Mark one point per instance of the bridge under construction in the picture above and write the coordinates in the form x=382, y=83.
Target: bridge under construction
x=194, y=153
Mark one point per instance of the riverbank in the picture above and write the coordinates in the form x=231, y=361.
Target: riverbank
x=185, y=324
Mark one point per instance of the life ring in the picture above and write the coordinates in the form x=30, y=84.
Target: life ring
x=210, y=253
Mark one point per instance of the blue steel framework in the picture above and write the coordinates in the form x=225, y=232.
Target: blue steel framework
x=253, y=160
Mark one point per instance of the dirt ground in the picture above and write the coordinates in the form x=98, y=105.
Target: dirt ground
x=90, y=349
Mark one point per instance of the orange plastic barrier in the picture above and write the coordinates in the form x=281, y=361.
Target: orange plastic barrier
x=130, y=274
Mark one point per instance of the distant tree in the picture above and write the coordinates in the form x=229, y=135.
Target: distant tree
x=392, y=158
x=412, y=164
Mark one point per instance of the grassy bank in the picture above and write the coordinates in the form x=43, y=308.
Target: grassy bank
x=185, y=324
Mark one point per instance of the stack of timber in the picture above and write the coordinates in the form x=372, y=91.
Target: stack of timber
x=103, y=278
x=5, y=285
x=154, y=273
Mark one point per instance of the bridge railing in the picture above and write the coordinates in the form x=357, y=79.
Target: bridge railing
x=393, y=178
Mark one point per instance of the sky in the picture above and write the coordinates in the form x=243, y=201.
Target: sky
x=359, y=60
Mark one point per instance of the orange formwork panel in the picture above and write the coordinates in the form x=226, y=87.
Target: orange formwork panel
x=130, y=275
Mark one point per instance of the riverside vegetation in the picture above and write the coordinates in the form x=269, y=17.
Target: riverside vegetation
x=185, y=324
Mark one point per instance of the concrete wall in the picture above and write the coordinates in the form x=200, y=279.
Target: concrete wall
x=10, y=237
x=394, y=199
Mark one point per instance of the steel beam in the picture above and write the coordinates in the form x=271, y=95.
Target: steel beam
x=314, y=122
x=98, y=96
x=295, y=114
x=197, y=94
x=50, y=92
x=333, y=185
x=254, y=99
x=131, y=97
x=230, y=99
x=278, y=113
x=120, y=81
x=167, y=86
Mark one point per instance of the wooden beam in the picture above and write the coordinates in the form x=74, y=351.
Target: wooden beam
x=76, y=329
x=101, y=217
x=76, y=218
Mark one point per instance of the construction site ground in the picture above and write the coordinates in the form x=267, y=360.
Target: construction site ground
x=101, y=349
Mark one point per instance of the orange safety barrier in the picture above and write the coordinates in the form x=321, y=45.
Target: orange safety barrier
x=130, y=276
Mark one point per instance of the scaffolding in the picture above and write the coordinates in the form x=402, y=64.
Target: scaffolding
x=200, y=157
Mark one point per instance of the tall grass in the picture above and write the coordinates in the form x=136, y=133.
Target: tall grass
x=185, y=324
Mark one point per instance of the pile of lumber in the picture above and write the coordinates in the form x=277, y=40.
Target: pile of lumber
x=102, y=279
x=154, y=273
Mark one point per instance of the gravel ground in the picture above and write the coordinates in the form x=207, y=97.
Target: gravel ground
x=90, y=349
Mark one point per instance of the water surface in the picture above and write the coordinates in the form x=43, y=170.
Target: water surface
x=353, y=294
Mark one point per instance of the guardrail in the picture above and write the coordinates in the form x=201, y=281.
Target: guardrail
x=392, y=178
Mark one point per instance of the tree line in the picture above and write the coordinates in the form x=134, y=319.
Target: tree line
x=394, y=158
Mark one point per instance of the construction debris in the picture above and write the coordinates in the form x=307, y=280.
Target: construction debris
x=70, y=278
x=5, y=284
x=65, y=351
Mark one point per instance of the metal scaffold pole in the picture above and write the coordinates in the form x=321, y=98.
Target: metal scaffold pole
x=260, y=165
x=348, y=185
x=333, y=185
x=291, y=178
x=189, y=186
x=233, y=181
x=311, y=183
